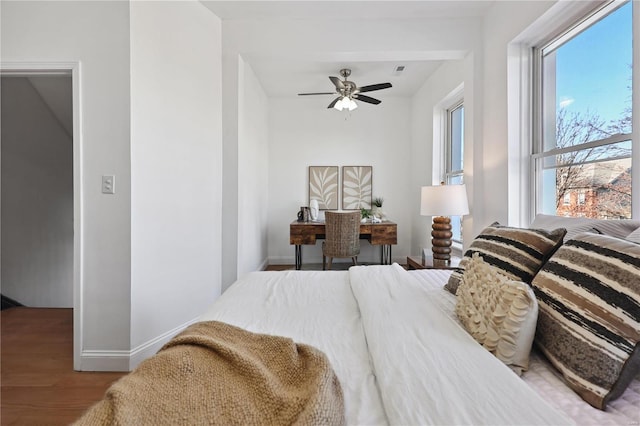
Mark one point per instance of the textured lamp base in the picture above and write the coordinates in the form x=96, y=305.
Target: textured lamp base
x=441, y=238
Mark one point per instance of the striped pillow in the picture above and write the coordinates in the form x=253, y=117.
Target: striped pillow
x=517, y=253
x=589, y=315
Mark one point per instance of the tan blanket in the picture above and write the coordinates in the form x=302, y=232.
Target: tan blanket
x=215, y=373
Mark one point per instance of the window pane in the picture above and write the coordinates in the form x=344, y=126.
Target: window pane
x=457, y=138
x=595, y=154
x=600, y=190
x=586, y=87
x=456, y=221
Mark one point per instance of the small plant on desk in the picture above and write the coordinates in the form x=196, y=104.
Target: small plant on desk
x=376, y=210
x=365, y=214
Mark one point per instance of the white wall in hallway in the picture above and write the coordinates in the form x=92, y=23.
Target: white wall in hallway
x=37, y=199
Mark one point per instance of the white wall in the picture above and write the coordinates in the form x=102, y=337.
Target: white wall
x=484, y=73
x=176, y=165
x=97, y=35
x=230, y=201
x=442, y=82
x=253, y=168
x=303, y=133
x=504, y=22
x=176, y=156
x=37, y=199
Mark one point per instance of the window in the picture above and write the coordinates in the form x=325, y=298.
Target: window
x=583, y=126
x=454, y=150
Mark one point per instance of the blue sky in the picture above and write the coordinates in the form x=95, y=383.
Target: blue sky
x=594, y=68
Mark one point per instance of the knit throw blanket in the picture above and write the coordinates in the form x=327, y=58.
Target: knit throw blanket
x=218, y=374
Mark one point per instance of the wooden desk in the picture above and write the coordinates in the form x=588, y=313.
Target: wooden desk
x=382, y=234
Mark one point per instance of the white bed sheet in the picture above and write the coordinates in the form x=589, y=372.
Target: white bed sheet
x=542, y=376
x=429, y=369
x=316, y=308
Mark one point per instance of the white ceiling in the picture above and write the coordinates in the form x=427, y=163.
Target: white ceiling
x=303, y=72
x=358, y=9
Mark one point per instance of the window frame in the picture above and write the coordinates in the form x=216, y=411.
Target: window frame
x=448, y=174
x=536, y=164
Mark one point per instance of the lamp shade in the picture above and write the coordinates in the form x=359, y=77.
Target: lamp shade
x=444, y=200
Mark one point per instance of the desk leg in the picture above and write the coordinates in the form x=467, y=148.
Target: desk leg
x=385, y=254
x=298, y=257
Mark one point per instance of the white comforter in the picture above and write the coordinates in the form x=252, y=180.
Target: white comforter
x=399, y=357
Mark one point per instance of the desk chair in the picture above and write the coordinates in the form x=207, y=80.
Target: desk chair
x=342, y=236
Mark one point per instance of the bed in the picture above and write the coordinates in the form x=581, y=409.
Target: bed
x=421, y=367
x=400, y=352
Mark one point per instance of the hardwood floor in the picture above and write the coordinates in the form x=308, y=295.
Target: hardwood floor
x=37, y=383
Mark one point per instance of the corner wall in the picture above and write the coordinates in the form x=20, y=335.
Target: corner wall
x=503, y=22
x=423, y=107
x=253, y=169
x=176, y=164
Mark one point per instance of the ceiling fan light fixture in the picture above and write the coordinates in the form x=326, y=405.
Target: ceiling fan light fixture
x=347, y=90
x=345, y=103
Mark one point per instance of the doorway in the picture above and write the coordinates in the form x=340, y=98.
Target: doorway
x=37, y=190
x=40, y=188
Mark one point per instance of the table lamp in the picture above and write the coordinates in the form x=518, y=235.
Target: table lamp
x=442, y=201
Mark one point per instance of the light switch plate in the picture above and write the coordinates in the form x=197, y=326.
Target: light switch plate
x=108, y=184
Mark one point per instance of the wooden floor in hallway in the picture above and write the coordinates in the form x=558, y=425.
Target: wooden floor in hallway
x=38, y=385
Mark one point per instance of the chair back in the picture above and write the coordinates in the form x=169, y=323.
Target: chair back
x=342, y=234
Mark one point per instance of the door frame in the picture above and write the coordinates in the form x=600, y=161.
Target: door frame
x=68, y=68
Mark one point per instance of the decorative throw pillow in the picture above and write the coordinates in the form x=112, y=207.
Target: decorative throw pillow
x=499, y=313
x=634, y=236
x=589, y=315
x=576, y=225
x=517, y=252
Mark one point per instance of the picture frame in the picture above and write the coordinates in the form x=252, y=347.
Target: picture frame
x=357, y=187
x=323, y=186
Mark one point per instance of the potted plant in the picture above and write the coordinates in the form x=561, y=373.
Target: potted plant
x=365, y=214
x=376, y=208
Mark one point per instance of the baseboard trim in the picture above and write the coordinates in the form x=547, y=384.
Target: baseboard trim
x=152, y=346
x=264, y=265
x=105, y=360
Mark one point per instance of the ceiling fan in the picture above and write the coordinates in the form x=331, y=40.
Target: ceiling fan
x=348, y=92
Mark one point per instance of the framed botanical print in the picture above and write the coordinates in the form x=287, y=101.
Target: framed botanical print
x=323, y=186
x=356, y=187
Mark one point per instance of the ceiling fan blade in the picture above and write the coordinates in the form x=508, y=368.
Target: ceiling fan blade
x=337, y=82
x=318, y=93
x=331, y=105
x=367, y=99
x=373, y=87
